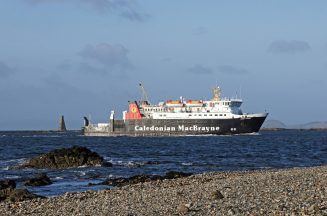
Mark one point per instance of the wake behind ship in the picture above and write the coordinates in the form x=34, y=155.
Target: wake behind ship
x=218, y=116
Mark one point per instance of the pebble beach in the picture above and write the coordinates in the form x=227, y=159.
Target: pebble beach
x=296, y=191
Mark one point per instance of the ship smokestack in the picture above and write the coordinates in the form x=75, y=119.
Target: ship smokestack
x=62, y=125
x=86, y=122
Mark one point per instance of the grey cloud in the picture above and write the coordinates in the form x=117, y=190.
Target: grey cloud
x=65, y=65
x=200, y=69
x=125, y=8
x=229, y=69
x=290, y=47
x=90, y=69
x=200, y=31
x=110, y=57
x=134, y=16
x=5, y=70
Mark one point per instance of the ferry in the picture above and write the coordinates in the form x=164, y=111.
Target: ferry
x=217, y=116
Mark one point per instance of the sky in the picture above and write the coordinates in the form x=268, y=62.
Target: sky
x=86, y=57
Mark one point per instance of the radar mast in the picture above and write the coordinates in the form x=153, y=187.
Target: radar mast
x=216, y=93
x=144, y=97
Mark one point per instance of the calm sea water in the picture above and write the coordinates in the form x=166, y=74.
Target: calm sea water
x=157, y=155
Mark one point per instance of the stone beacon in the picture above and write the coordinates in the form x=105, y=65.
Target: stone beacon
x=216, y=116
x=62, y=125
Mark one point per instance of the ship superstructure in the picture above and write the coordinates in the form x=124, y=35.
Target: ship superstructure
x=180, y=117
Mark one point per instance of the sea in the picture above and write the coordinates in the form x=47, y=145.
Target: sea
x=157, y=155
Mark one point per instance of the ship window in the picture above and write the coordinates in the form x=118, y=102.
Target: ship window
x=160, y=115
x=210, y=115
x=189, y=114
x=224, y=114
x=216, y=114
x=220, y=114
x=200, y=115
x=205, y=114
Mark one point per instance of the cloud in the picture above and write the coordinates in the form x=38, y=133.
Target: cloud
x=125, y=8
x=229, y=69
x=108, y=57
x=134, y=15
x=5, y=70
x=200, y=69
x=65, y=65
x=200, y=31
x=290, y=47
x=105, y=53
x=90, y=69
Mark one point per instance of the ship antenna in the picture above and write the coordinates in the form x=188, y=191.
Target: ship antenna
x=144, y=94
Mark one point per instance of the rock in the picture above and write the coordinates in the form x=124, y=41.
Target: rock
x=9, y=192
x=231, y=212
x=66, y=158
x=8, y=183
x=21, y=195
x=182, y=209
x=106, y=164
x=6, y=188
x=313, y=208
x=217, y=195
x=174, y=174
x=39, y=180
x=119, y=182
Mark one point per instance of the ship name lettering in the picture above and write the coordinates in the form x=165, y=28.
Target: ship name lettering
x=154, y=128
x=180, y=128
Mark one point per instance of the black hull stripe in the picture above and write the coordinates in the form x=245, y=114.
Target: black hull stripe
x=166, y=127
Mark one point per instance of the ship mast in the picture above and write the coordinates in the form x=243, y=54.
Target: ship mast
x=216, y=93
x=144, y=94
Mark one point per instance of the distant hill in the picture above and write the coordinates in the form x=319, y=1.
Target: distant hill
x=276, y=124
x=273, y=124
x=311, y=125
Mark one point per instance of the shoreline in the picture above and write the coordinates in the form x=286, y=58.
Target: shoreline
x=259, y=192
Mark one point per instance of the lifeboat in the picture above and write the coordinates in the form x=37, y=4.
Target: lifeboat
x=175, y=103
x=194, y=103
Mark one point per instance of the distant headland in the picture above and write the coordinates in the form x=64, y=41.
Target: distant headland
x=272, y=124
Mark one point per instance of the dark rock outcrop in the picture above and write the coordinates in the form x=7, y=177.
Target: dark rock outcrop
x=8, y=183
x=21, y=195
x=66, y=158
x=174, y=174
x=9, y=192
x=119, y=182
x=39, y=180
x=6, y=188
